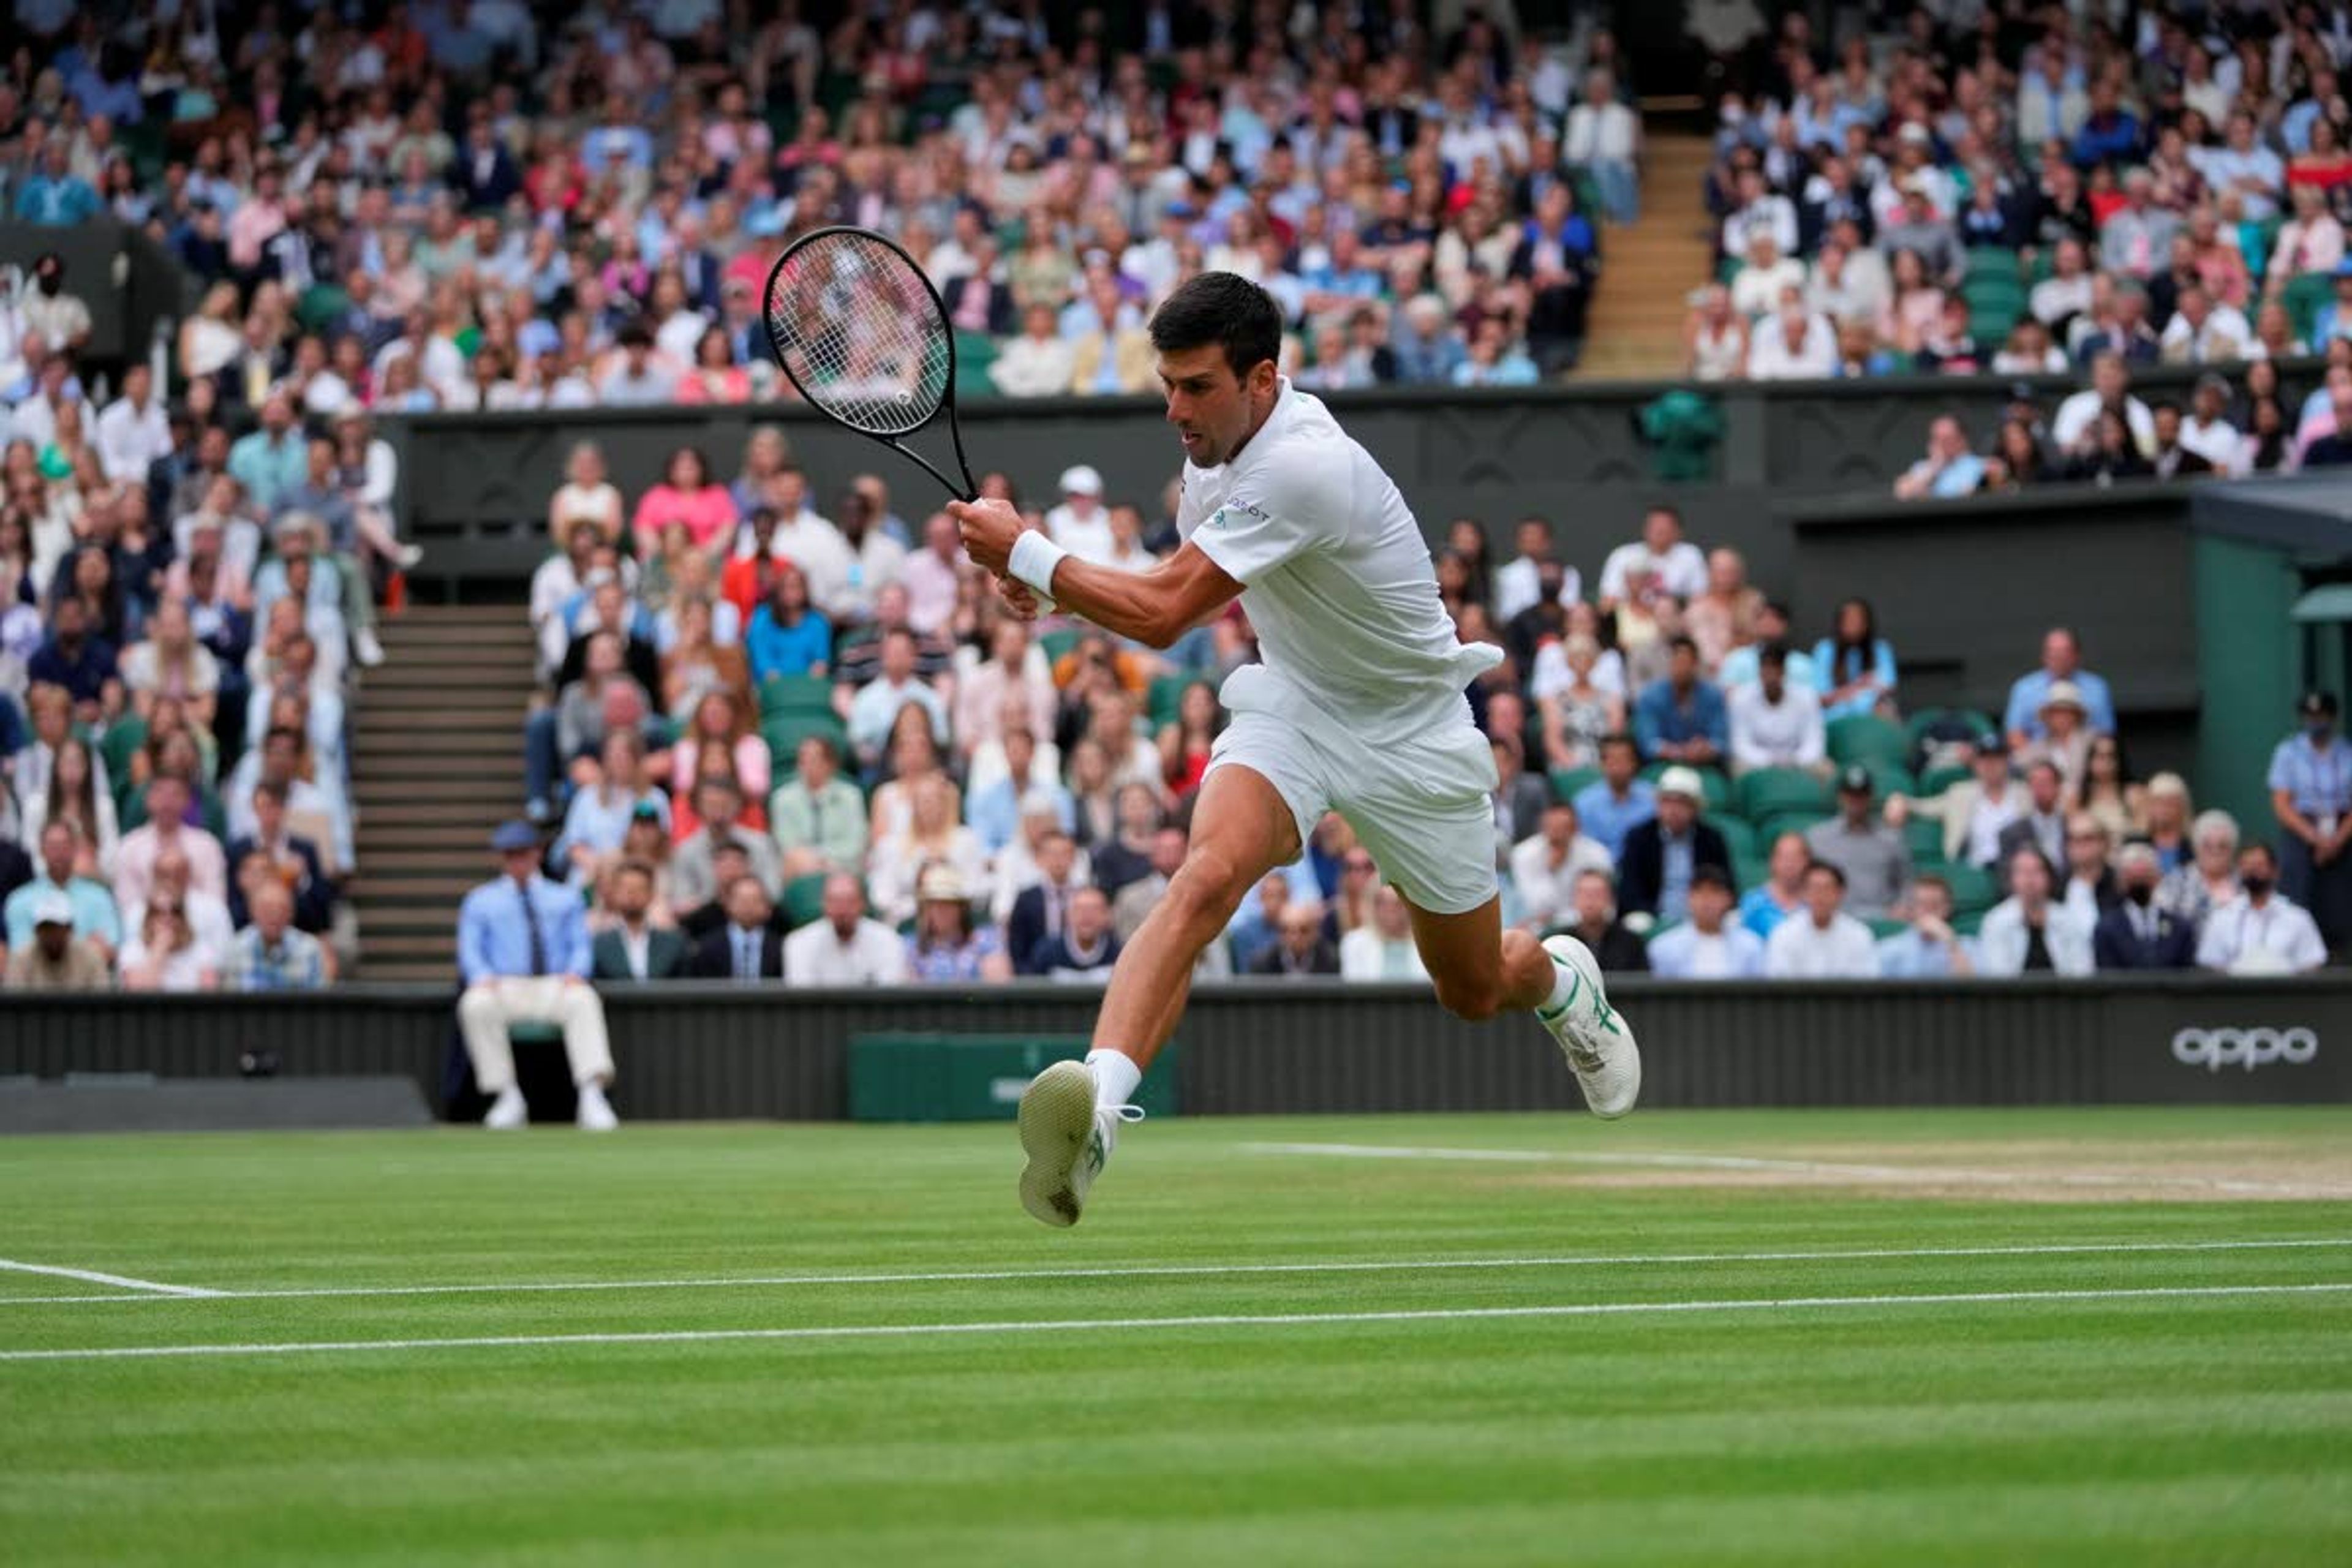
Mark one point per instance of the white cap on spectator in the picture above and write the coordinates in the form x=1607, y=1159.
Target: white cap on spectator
x=940, y=883
x=1041, y=803
x=1684, y=781
x=1081, y=481
x=2064, y=694
x=53, y=908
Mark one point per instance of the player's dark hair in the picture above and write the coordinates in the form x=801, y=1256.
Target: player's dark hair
x=1224, y=309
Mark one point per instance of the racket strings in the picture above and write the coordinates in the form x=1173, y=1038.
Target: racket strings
x=860, y=333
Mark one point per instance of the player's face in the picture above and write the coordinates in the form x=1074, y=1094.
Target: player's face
x=1208, y=404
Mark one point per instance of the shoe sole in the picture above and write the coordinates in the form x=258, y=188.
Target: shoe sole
x=1590, y=971
x=1058, y=1113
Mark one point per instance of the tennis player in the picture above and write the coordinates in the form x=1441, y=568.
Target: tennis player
x=1357, y=707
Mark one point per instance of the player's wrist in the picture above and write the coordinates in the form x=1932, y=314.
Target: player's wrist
x=1033, y=560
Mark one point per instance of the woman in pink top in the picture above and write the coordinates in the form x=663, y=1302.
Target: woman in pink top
x=686, y=495
x=722, y=724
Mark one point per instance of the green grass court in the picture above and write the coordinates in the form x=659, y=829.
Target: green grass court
x=1955, y=1337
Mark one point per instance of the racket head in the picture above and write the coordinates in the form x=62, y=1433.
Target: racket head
x=856, y=327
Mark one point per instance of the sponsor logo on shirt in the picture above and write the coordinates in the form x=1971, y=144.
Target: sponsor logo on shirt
x=2214, y=1049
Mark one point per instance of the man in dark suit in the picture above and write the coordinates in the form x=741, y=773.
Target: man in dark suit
x=1520, y=797
x=1087, y=947
x=1596, y=925
x=1041, y=911
x=1654, y=873
x=747, y=947
x=294, y=858
x=2136, y=935
x=634, y=950
x=1299, y=947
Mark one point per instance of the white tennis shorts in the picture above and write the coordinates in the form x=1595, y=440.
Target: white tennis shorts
x=1422, y=806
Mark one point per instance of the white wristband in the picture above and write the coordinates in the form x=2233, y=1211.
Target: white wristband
x=1033, y=558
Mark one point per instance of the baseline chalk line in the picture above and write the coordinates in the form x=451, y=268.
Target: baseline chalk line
x=93, y=1277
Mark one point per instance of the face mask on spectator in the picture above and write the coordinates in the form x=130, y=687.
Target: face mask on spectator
x=2256, y=887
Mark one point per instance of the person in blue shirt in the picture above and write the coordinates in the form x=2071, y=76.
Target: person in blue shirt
x=2062, y=659
x=2110, y=132
x=57, y=197
x=95, y=917
x=273, y=461
x=1682, y=718
x=2310, y=781
x=524, y=954
x=1708, y=945
x=787, y=635
x=1783, y=892
x=1853, y=669
x=1930, y=950
x=1617, y=801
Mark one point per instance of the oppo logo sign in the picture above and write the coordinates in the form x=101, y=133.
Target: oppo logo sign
x=2214, y=1049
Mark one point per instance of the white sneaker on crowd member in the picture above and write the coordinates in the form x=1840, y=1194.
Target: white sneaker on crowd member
x=595, y=1111
x=365, y=648
x=507, y=1111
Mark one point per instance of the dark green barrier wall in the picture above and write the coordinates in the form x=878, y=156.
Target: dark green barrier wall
x=694, y=1051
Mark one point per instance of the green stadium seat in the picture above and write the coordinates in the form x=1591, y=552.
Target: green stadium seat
x=1168, y=695
x=2304, y=294
x=1567, y=783
x=1884, y=926
x=1925, y=835
x=1749, y=871
x=1738, y=834
x=1655, y=932
x=1935, y=781
x=1797, y=822
x=785, y=732
x=1867, y=738
x=1888, y=777
x=1992, y=261
x=974, y=354
x=783, y=696
x=1995, y=304
x=804, y=900
x=1771, y=791
x=1714, y=780
x=1973, y=889
x=1057, y=642
x=1969, y=924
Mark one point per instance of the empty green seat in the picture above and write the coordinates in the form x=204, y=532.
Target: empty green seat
x=1925, y=835
x=1867, y=738
x=1973, y=889
x=782, y=695
x=1772, y=792
x=804, y=899
x=785, y=732
x=1798, y=822
x=1567, y=784
x=1738, y=835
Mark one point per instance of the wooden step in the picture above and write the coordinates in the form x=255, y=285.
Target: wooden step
x=394, y=972
x=389, y=893
x=449, y=858
x=504, y=790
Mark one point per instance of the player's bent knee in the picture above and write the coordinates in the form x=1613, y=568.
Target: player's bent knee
x=1473, y=1002
x=1207, y=891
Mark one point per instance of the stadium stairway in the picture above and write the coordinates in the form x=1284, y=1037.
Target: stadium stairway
x=1649, y=270
x=435, y=765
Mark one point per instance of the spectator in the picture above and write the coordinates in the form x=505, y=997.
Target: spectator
x=818, y=817
x=1545, y=866
x=2209, y=879
x=1949, y=470
x=90, y=905
x=947, y=947
x=1793, y=344
x=1617, y=801
x=1086, y=948
x=1041, y=911
x=54, y=958
x=2073, y=427
x=290, y=860
x=1927, y=949
x=1767, y=276
x=1594, y=922
x=2171, y=458
x=1662, y=551
x=1300, y=948
x=687, y=494
x=1133, y=904
x=876, y=707
x=1383, y=947
x=1579, y=713
x=2031, y=931
x=2207, y=433
x=633, y=948
x=845, y=947
x=163, y=954
x=1853, y=668
x=522, y=951
x=133, y=434
x=1660, y=855
x=2310, y=781
x=1977, y=812
x=1715, y=337
x=1709, y=946
x=746, y=949
x=166, y=830
x=2259, y=931
x=2137, y=933
x=2091, y=890
x=693, y=872
x=271, y=954
x=1040, y=362
x=2062, y=659
x=1774, y=724
x=1518, y=582
x=787, y=636
x=1681, y=718
x=1603, y=137
x=1874, y=859
x=1821, y=942
x=2041, y=822
x=1781, y=893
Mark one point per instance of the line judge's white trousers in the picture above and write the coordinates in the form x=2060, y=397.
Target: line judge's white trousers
x=489, y=1008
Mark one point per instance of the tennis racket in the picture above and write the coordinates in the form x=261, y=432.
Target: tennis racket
x=862, y=335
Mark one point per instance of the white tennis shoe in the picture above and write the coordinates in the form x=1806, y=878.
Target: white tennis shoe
x=1068, y=1139
x=1597, y=1040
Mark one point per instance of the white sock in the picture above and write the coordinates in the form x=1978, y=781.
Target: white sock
x=1116, y=1076
x=1564, y=981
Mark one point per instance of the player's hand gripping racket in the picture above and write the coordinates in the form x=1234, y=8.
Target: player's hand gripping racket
x=864, y=336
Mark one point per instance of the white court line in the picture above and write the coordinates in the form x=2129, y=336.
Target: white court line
x=1924, y=1174
x=93, y=1277
x=1211, y=1270
x=1218, y=1320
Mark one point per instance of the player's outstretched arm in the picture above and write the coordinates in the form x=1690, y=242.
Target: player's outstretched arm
x=1153, y=607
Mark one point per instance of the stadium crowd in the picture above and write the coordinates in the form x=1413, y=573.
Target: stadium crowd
x=780, y=745
x=2030, y=190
